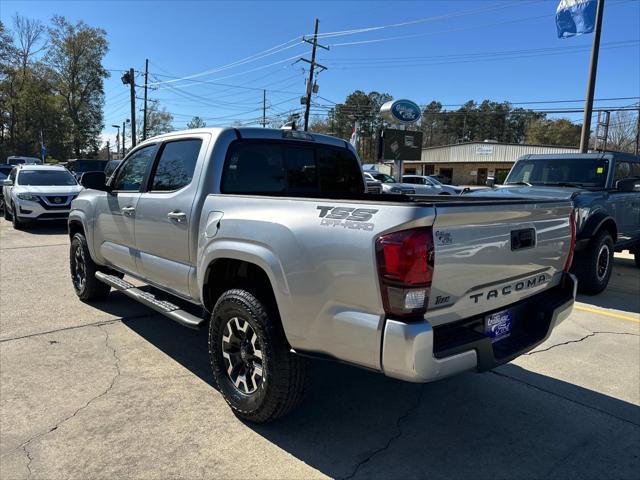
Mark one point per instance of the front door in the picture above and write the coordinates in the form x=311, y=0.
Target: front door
x=116, y=211
x=164, y=215
x=482, y=176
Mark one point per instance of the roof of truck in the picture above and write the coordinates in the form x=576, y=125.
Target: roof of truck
x=608, y=155
x=265, y=133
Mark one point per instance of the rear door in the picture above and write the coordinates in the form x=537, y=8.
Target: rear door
x=492, y=254
x=164, y=214
x=116, y=211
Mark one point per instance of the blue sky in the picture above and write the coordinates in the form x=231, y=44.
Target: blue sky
x=454, y=51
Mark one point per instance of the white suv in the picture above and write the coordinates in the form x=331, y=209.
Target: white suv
x=38, y=192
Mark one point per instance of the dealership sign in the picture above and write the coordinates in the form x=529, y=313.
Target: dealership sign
x=400, y=111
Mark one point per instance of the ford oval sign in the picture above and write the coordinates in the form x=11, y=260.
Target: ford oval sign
x=400, y=111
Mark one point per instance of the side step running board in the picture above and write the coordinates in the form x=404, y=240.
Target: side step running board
x=168, y=309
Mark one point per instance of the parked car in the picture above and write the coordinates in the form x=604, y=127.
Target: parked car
x=19, y=160
x=111, y=167
x=38, y=192
x=5, y=170
x=605, y=189
x=390, y=185
x=272, y=235
x=78, y=167
x=431, y=182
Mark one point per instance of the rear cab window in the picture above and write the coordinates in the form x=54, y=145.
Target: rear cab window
x=270, y=167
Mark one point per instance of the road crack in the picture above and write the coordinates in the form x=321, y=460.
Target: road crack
x=397, y=435
x=568, y=342
x=24, y=446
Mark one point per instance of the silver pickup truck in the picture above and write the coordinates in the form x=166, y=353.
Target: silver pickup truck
x=270, y=233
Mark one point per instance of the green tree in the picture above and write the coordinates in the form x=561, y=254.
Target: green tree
x=196, y=122
x=559, y=132
x=75, y=60
x=159, y=120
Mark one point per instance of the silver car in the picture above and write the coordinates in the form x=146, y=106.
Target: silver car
x=38, y=192
x=390, y=185
x=432, y=183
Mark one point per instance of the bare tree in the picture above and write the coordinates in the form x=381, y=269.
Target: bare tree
x=623, y=128
x=29, y=34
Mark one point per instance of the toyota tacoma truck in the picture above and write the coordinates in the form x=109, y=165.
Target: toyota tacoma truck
x=605, y=190
x=269, y=239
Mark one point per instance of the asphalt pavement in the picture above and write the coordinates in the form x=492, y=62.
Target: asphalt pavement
x=113, y=390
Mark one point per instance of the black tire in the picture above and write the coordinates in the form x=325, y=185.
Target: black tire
x=15, y=220
x=636, y=256
x=282, y=384
x=593, y=265
x=5, y=212
x=83, y=270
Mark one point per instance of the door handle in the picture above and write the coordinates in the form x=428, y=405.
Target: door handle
x=178, y=216
x=129, y=211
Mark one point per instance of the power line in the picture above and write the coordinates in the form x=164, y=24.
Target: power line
x=252, y=58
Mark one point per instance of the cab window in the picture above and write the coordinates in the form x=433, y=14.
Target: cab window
x=176, y=165
x=130, y=176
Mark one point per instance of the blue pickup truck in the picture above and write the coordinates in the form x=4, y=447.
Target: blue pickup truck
x=605, y=189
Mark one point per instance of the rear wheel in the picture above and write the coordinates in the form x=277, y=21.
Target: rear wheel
x=593, y=266
x=256, y=372
x=5, y=212
x=636, y=256
x=83, y=272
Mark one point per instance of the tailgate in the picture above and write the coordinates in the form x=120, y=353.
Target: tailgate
x=489, y=255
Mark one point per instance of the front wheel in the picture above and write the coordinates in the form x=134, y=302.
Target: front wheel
x=594, y=265
x=83, y=272
x=15, y=220
x=256, y=372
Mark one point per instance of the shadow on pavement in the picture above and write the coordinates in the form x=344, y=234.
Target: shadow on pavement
x=45, y=228
x=622, y=291
x=511, y=423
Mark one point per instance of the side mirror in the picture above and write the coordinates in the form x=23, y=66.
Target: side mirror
x=490, y=182
x=94, y=181
x=631, y=184
x=7, y=182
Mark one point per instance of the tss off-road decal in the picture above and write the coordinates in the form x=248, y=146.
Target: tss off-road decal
x=346, y=217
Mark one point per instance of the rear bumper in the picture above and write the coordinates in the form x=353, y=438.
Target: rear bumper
x=418, y=352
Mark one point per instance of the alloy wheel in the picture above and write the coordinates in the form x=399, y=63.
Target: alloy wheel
x=242, y=354
x=79, y=269
x=603, y=262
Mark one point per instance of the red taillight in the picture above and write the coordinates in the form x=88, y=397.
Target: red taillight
x=405, y=268
x=572, y=246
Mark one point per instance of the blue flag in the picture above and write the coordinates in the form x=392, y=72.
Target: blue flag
x=575, y=17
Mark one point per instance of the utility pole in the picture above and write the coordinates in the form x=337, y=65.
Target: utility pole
x=146, y=81
x=129, y=78
x=264, y=108
x=124, y=138
x=117, y=138
x=312, y=62
x=591, y=84
x=108, y=150
x=637, y=149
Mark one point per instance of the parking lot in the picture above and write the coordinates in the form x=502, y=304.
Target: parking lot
x=114, y=390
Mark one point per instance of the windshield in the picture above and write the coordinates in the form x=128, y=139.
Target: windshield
x=383, y=177
x=43, y=178
x=435, y=181
x=579, y=172
x=87, y=166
